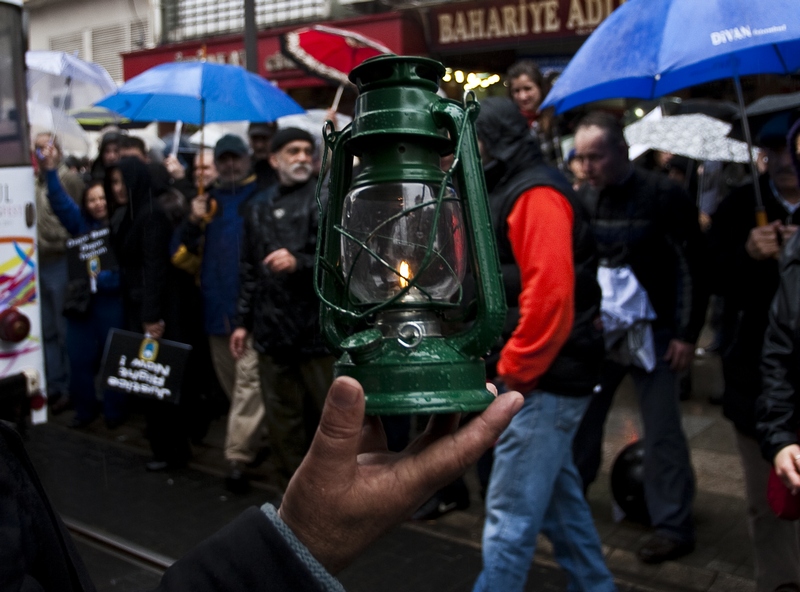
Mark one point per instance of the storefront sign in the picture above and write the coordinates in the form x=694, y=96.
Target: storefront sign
x=502, y=23
x=401, y=32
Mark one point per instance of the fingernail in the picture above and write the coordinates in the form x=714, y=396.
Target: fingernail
x=518, y=400
x=344, y=393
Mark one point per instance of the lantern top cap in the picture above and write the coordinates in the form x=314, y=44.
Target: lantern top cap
x=392, y=70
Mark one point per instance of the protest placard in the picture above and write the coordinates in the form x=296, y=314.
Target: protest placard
x=136, y=364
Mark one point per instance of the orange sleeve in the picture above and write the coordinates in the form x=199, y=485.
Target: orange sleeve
x=540, y=232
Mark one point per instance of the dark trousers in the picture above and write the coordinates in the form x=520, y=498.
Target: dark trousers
x=668, y=477
x=293, y=397
x=86, y=338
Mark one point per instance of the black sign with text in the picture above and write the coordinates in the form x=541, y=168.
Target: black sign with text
x=139, y=365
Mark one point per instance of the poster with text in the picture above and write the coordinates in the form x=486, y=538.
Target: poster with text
x=139, y=365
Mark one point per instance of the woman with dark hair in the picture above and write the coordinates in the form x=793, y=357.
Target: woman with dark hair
x=527, y=88
x=141, y=234
x=92, y=304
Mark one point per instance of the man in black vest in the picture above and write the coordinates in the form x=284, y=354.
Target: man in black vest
x=552, y=353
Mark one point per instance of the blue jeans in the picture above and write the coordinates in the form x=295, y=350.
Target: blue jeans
x=52, y=286
x=668, y=477
x=535, y=487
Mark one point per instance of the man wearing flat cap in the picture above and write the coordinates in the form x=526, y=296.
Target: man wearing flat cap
x=278, y=307
x=214, y=230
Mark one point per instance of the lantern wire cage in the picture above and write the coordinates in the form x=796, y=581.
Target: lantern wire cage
x=361, y=310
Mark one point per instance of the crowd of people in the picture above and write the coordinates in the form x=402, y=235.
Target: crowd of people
x=216, y=253
x=678, y=244
x=220, y=255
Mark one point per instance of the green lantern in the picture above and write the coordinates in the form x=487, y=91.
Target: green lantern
x=397, y=242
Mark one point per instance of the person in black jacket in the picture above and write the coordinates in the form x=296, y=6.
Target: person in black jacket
x=348, y=491
x=277, y=302
x=776, y=542
x=643, y=220
x=746, y=275
x=141, y=234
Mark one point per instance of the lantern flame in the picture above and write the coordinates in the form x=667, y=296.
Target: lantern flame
x=405, y=273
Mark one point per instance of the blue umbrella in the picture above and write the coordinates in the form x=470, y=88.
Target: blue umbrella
x=198, y=93
x=648, y=48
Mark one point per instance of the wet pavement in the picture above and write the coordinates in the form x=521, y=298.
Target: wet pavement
x=96, y=477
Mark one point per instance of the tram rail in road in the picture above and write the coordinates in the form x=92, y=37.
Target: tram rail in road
x=118, y=547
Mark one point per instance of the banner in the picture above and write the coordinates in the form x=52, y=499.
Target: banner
x=142, y=366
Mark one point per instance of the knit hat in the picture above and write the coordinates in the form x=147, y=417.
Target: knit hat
x=230, y=144
x=286, y=135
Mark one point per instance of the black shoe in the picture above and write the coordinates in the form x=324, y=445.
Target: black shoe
x=660, y=548
x=236, y=481
x=58, y=403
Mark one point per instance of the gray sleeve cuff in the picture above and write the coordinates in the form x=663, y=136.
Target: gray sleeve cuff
x=326, y=580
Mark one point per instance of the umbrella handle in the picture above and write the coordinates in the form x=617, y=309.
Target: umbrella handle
x=337, y=98
x=176, y=137
x=761, y=214
x=212, y=211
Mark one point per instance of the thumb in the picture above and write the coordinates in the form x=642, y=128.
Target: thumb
x=338, y=438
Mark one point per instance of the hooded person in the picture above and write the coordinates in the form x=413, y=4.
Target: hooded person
x=107, y=155
x=141, y=234
x=552, y=352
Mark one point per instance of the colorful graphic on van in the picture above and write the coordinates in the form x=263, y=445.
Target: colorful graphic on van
x=17, y=271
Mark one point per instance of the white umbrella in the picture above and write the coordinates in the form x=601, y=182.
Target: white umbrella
x=212, y=132
x=694, y=136
x=71, y=136
x=61, y=80
x=58, y=81
x=310, y=121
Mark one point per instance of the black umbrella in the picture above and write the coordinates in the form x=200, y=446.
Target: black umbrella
x=769, y=116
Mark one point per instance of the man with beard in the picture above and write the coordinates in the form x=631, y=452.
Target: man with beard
x=277, y=303
x=213, y=230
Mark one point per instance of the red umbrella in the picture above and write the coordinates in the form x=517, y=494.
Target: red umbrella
x=330, y=53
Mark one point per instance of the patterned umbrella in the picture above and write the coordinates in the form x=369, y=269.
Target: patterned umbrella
x=694, y=136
